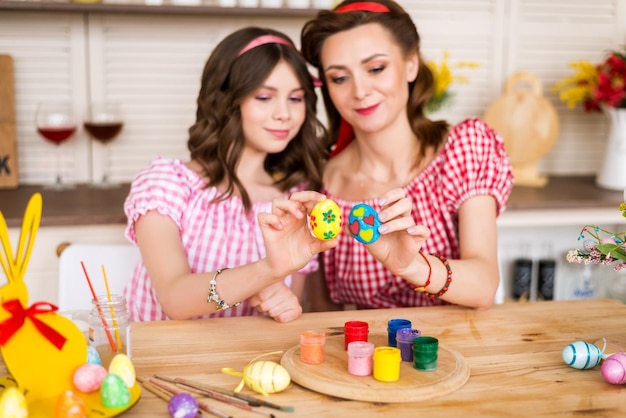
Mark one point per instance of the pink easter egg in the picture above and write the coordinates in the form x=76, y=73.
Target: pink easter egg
x=614, y=369
x=88, y=377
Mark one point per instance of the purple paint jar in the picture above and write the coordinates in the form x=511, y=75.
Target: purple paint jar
x=404, y=338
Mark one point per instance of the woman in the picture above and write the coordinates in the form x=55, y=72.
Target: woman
x=225, y=226
x=437, y=189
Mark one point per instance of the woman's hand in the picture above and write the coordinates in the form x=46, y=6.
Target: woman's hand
x=277, y=301
x=400, y=238
x=289, y=244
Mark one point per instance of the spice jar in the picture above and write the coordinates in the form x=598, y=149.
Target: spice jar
x=109, y=327
x=312, y=347
x=360, y=358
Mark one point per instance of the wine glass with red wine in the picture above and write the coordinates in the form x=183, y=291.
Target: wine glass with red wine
x=104, y=123
x=56, y=123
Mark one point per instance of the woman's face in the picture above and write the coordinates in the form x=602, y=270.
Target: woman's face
x=367, y=77
x=274, y=113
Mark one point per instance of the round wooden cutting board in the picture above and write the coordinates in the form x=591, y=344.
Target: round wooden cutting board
x=332, y=377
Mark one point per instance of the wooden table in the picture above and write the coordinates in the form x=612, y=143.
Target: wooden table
x=514, y=351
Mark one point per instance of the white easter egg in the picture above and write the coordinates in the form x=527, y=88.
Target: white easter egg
x=581, y=355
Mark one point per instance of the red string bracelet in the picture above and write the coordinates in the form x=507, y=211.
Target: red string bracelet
x=445, y=287
x=430, y=271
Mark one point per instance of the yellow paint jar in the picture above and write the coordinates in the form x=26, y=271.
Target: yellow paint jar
x=387, y=364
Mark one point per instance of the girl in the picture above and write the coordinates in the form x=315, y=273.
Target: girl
x=437, y=189
x=207, y=229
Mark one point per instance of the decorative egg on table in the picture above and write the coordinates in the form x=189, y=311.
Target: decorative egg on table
x=262, y=376
x=69, y=405
x=582, y=355
x=182, y=405
x=325, y=220
x=614, y=369
x=363, y=223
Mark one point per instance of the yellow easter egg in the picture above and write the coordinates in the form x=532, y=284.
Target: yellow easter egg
x=123, y=367
x=13, y=404
x=326, y=220
x=266, y=377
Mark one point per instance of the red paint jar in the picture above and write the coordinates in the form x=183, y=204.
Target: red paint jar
x=355, y=331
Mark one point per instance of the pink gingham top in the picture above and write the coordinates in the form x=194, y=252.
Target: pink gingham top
x=473, y=162
x=215, y=234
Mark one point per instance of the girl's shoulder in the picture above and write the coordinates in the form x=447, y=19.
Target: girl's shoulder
x=166, y=173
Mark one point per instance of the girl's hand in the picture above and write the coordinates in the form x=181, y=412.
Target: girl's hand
x=277, y=301
x=289, y=244
x=400, y=238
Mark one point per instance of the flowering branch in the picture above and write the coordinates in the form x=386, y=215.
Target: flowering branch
x=442, y=74
x=608, y=247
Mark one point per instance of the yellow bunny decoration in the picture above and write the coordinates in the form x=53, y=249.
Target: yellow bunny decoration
x=40, y=349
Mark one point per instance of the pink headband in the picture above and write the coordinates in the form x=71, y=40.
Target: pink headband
x=365, y=6
x=262, y=40
x=273, y=39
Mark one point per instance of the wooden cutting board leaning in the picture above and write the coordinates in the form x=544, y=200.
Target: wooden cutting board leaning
x=8, y=136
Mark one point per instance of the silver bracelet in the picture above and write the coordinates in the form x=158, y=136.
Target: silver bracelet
x=215, y=297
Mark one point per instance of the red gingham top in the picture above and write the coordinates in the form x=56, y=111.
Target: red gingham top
x=215, y=234
x=473, y=162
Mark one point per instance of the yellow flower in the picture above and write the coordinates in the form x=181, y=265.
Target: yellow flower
x=578, y=87
x=442, y=74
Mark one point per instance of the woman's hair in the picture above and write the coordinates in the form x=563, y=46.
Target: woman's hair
x=400, y=26
x=216, y=139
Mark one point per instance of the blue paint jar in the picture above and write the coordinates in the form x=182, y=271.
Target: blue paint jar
x=393, y=326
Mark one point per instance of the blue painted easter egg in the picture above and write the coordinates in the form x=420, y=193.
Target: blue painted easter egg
x=363, y=223
x=326, y=220
x=92, y=356
x=582, y=355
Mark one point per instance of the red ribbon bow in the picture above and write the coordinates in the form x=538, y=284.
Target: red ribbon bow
x=19, y=315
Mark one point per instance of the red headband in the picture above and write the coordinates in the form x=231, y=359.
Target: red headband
x=262, y=40
x=365, y=6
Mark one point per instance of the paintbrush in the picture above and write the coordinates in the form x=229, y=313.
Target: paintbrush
x=205, y=407
x=161, y=393
x=252, y=401
x=231, y=400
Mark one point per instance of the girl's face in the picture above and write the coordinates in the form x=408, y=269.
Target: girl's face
x=273, y=114
x=367, y=77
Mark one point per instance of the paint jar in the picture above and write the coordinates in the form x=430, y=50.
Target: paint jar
x=393, y=326
x=404, y=339
x=109, y=327
x=386, y=364
x=360, y=355
x=425, y=353
x=312, y=347
x=355, y=331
